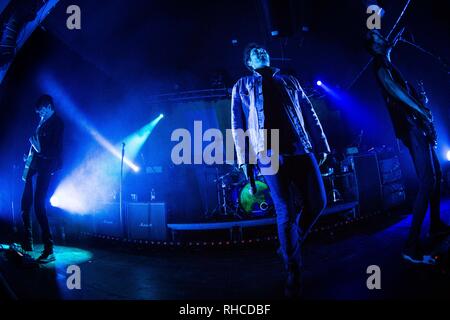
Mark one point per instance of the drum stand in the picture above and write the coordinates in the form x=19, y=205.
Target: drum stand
x=335, y=194
x=223, y=208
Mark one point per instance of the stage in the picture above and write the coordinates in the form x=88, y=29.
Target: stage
x=259, y=151
x=335, y=269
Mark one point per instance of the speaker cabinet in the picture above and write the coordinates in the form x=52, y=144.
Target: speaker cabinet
x=147, y=221
x=107, y=221
x=367, y=173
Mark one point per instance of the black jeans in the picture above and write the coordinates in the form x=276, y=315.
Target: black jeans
x=301, y=171
x=429, y=172
x=40, y=199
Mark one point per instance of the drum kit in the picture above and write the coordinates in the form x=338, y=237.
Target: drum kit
x=235, y=199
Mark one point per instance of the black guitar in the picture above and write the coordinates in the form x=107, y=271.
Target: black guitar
x=426, y=125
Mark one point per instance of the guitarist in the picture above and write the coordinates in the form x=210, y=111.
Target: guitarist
x=413, y=125
x=43, y=161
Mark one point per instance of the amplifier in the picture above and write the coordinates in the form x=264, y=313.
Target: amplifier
x=147, y=221
x=107, y=220
x=368, y=180
x=394, y=195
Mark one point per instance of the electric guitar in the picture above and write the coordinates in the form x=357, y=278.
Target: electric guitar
x=28, y=161
x=426, y=125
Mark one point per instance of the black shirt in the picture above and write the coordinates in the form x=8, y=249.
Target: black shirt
x=50, y=136
x=275, y=114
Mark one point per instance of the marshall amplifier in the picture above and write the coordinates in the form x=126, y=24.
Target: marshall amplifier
x=147, y=221
x=107, y=221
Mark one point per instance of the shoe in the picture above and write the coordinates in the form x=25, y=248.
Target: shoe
x=46, y=256
x=439, y=230
x=293, y=285
x=413, y=256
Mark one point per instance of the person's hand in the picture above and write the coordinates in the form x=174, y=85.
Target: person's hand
x=253, y=190
x=35, y=143
x=322, y=158
x=248, y=170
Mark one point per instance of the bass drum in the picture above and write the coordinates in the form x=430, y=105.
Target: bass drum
x=255, y=205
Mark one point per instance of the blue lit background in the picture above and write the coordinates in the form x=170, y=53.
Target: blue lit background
x=103, y=78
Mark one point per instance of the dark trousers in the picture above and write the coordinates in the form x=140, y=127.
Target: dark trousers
x=429, y=173
x=301, y=171
x=40, y=199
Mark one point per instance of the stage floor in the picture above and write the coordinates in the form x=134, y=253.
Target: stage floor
x=335, y=268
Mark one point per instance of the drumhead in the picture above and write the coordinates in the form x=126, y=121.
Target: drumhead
x=259, y=203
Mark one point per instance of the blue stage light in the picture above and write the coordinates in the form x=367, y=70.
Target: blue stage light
x=54, y=201
x=96, y=180
x=448, y=155
x=72, y=111
x=319, y=83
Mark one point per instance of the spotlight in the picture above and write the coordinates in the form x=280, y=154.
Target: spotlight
x=95, y=181
x=319, y=83
x=448, y=155
x=161, y=115
x=54, y=201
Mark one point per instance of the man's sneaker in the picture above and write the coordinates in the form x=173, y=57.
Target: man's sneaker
x=413, y=256
x=439, y=230
x=46, y=256
x=293, y=286
x=292, y=289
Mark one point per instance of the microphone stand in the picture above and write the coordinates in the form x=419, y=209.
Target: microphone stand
x=121, y=186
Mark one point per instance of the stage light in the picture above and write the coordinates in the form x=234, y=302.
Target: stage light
x=97, y=180
x=448, y=155
x=54, y=201
x=332, y=92
x=71, y=110
x=135, y=141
